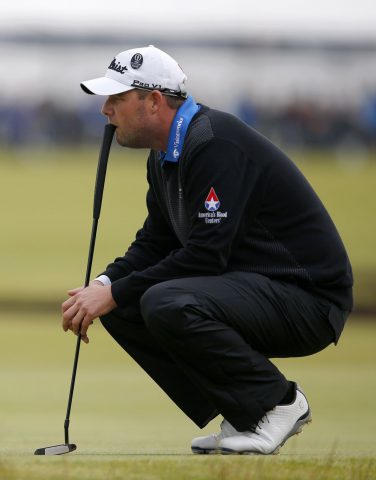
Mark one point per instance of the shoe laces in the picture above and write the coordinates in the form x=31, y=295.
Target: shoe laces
x=254, y=428
x=227, y=430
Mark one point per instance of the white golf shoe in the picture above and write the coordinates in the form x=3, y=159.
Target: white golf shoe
x=210, y=443
x=272, y=431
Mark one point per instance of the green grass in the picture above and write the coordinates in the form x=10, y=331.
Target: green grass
x=125, y=427
x=123, y=424
x=46, y=200
x=180, y=468
x=47, y=212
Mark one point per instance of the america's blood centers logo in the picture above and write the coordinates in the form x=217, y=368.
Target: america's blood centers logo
x=212, y=202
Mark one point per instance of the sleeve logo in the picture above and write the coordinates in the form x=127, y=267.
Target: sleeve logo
x=212, y=213
x=212, y=202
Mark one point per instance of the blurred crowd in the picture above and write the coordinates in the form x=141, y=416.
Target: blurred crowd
x=314, y=125
x=297, y=124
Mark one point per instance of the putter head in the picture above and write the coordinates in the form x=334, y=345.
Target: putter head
x=56, y=449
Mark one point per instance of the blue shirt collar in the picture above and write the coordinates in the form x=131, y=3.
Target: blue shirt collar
x=178, y=130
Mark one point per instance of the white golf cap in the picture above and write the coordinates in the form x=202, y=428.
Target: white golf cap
x=147, y=68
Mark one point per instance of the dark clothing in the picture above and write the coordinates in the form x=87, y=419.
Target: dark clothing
x=238, y=261
x=206, y=341
x=270, y=221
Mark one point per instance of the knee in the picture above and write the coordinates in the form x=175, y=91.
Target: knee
x=112, y=320
x=107, y=320
x=163, y=307
x=156, y=303
x=120, y=318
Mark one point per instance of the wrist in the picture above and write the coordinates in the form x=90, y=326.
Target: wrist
x=103, y=279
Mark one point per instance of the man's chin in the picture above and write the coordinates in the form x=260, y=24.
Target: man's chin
x=131, y=141
x=120, y=140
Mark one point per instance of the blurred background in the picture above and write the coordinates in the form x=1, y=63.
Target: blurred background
x=302, y=74
x=305, y=77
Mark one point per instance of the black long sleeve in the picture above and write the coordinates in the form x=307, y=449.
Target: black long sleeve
x=266, y=217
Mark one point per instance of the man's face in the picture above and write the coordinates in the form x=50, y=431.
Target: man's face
x=130, y=115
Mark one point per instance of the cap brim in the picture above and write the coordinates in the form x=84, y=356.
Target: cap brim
x=104, y=86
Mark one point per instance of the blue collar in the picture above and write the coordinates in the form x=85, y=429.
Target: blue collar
x=178, y=130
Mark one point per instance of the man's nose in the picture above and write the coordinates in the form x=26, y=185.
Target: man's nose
x=106, y=109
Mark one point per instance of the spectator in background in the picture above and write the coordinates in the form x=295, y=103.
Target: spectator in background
x=246, y=111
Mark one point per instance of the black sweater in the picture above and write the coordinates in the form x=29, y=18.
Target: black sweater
x=269, y=220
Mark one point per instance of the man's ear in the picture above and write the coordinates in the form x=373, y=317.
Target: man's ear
x=156, y=99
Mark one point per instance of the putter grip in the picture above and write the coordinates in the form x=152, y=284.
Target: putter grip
x=108, y=134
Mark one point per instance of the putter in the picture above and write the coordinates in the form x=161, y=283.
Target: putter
x=108, y=134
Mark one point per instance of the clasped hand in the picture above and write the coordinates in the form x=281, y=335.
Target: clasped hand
x=84, y=305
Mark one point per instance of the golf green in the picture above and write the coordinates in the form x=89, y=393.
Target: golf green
x=125, y=427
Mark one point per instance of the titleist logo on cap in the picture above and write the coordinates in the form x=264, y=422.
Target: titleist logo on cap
x=118, y=67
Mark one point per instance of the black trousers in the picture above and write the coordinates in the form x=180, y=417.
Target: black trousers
x=207, y=341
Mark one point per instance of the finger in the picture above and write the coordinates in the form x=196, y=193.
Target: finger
x=77, y=321
x=74, y=291
x=67, y=304
x=85, y=338
x=68, y=316
x=86, y=322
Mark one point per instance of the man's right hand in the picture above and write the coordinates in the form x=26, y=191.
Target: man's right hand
x=74, y=291
x=66, y=322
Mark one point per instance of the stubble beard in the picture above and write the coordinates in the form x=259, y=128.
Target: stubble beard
x=140, y=135
x=135, y=139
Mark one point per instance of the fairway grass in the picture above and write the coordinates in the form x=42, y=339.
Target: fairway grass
x=126, y=428
x=165, y=467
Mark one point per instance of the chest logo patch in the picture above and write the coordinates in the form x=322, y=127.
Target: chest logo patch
x=212, y=202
